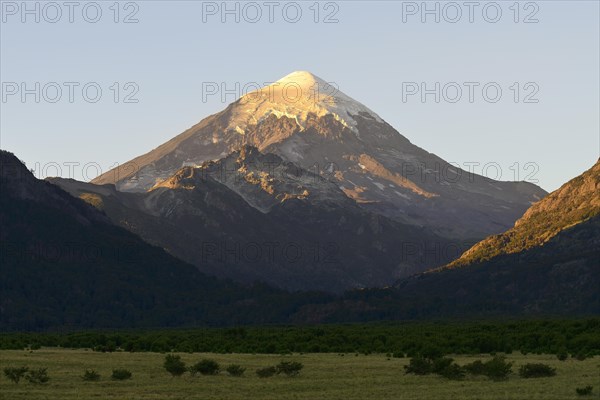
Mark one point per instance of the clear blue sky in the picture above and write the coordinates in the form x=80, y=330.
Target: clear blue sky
x=370, y=53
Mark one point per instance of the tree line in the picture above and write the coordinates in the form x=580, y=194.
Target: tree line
x=574, y=337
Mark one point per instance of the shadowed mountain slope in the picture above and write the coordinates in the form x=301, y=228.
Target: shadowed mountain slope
x=255, y=217
x=309, y=122
x=65, y=265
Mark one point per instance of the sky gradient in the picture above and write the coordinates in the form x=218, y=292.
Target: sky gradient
x=370, y=53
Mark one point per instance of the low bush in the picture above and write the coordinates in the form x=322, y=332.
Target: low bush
x=205, y=367
x=174, y=365
x=15, y=374
x=586, y=391
x=440, y=364
x=419, y=366
x=453, y=371
x=536, y=370
x=475, y=368
x=266, y=372
x=105, y=348
x=38, y=376
x=562, y=355
x=121, y=374
x=289, y=368
x=235, y=370
x=432, y=352
x=90, y=375
x=496, y=369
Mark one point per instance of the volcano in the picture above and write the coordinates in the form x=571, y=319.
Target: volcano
x=307, y=121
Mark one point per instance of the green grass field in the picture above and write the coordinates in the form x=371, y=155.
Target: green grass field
x=325, y=376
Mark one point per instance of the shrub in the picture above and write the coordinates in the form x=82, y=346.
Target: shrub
x=419, y=366
x=581, y=356
x=475, y=368
x=586, y=391
x=235, y=370
x=536, y=371
x=562, y=355
x=90, y=375
x=453, y=372
x=15, y=374
x=443, y=366
x=38, y=376
x=106, y=348
x=496, y=368
x=432, y=352
x=440, y=364
x=266, y=372
x=121, y=374
x=174, y=365
x=290, y=368
x=205, y=367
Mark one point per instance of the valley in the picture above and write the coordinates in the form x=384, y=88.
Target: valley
x=327, y=200
x=324, y=376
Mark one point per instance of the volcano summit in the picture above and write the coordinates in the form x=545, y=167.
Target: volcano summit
x=309, y=122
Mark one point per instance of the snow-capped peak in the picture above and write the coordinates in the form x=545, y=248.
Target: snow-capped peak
x=296, y=96
x=302, y=78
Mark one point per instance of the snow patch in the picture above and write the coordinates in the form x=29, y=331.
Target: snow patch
x=402, y=195
x=296, y=96
x=290, y=150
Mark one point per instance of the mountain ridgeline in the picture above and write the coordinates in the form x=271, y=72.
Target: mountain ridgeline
x=255, y=217
x=324, y=131
x=64, y=264
x=576, y=202
x=548, y=264
x=305, y=211
x=314, y=192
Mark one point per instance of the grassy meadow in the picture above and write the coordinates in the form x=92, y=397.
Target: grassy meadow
x=325, y=376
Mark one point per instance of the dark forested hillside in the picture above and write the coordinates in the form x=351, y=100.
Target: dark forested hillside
x=63, y=264
x=548, y=264
x=254, y=217
x=560, y=278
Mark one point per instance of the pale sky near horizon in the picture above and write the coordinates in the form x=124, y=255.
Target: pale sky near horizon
x=370, y=53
